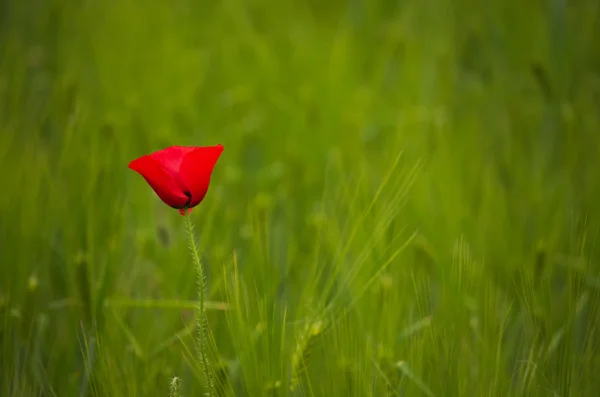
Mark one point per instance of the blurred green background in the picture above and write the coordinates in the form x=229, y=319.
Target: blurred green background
x=407, y=203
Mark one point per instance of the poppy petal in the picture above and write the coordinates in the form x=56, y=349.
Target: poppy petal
x=196, y=169
x=171, y=158
x=163, y=184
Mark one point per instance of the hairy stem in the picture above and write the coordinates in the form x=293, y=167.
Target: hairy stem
x=200, y=313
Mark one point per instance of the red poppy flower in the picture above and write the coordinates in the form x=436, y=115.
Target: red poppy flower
x=179, y=175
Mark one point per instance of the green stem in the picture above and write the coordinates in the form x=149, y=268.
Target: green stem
x=200, y=313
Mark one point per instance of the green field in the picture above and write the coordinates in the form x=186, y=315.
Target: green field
x=407, y=204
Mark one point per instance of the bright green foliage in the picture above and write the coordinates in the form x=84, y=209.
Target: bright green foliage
x=407, y=203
